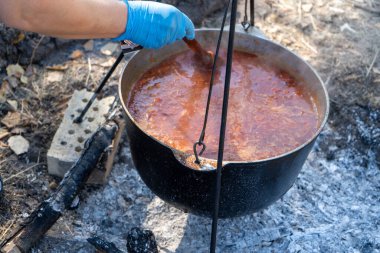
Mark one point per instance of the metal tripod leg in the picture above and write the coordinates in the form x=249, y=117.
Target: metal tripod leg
x=79, y=119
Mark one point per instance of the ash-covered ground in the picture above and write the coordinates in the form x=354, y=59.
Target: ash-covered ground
x=333, y=207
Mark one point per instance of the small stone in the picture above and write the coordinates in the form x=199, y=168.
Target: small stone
x=89, y=45
x=54, y=76
x=109, y=48
x=15, y=70
x=18, y=144
x=24, y=79
x=53, y=185
x=307, y=7
x=12, y=104
x=76, y=55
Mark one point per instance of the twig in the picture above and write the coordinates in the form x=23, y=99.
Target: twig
x=6, y=230
x=309, y=46
x=35, y=49
x=21, y=172
x=3, y=161
x=89, y=71
x=313, y=22
x=299, y=11
x=373, y=63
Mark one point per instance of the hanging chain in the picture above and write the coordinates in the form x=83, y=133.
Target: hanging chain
x=251, y=23
x=200, y=142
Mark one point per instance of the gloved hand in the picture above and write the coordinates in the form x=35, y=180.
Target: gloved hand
x=154, y=25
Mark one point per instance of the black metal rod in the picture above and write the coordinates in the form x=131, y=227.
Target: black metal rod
x=252, y=12
x=79, y=119
x=211, y=84
x=223, y=126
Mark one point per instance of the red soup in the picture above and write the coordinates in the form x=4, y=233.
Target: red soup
x=270, y=113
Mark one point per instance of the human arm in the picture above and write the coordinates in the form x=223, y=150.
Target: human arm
x=149, y=24
x=74, y=19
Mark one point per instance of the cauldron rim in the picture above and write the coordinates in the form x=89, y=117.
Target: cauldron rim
x=227, y=162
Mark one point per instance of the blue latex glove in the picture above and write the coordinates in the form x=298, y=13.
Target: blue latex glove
x=154, y=25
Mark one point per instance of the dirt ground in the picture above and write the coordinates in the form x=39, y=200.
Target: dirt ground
x=340, y=39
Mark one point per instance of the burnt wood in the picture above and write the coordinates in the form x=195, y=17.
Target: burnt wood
x=51, y=209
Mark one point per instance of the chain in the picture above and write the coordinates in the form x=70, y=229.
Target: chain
x=246, y=25
x=200, y=142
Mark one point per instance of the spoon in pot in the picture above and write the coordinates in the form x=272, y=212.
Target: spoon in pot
x=207, y=57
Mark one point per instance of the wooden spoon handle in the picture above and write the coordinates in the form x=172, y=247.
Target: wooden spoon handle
x=206, y=56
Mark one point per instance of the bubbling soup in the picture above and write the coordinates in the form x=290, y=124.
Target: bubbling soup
x=270, y=112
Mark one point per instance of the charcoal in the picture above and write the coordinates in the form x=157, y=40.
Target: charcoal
x=141, y=241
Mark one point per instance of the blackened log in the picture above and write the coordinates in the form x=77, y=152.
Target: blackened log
x=51, y=209
x=141, y=241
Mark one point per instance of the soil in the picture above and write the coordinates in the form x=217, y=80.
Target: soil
x=338, y=187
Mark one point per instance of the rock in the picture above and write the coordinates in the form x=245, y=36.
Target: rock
x=76, y=55
x=109, y=48
x=89, y=45
x=13, y=104
x=54, y=76
x=18, y=144
x=140, y=241
x=53, y=185
x=15, y=70
x=12, y=119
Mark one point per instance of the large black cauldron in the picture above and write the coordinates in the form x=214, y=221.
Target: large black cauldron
x=246, y=186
